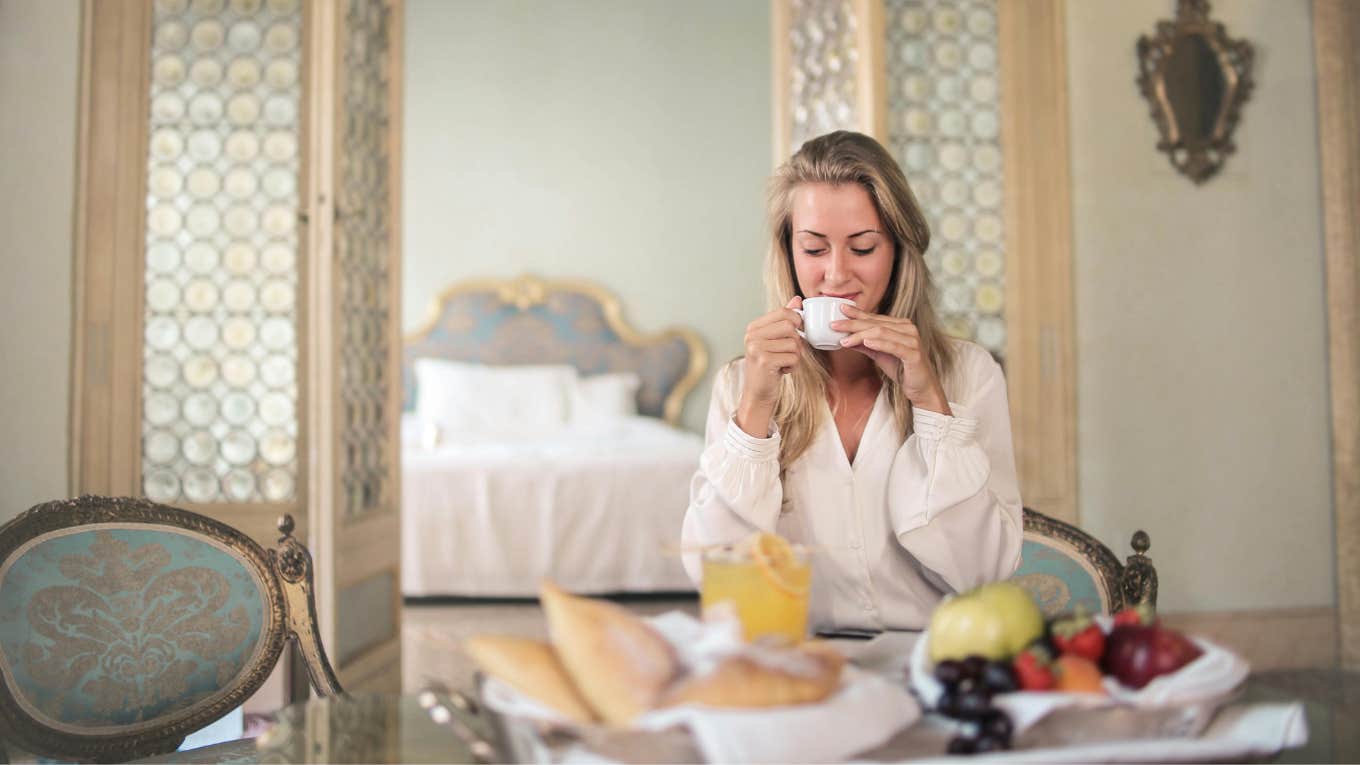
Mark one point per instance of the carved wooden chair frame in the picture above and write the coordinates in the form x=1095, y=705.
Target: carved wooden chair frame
x=290, y=614
x=1131, y=583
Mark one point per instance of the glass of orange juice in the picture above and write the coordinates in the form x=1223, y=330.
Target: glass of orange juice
x=766, y=581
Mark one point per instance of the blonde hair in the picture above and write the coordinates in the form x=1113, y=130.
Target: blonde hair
x=840, y=158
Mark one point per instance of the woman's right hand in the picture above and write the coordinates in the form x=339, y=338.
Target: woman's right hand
x=773, y=348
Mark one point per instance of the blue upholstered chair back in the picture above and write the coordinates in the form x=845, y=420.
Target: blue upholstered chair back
x=125, y=625
x=1063, y=567
x=536, y=321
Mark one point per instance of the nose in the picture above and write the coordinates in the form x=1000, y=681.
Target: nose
x=838, y=265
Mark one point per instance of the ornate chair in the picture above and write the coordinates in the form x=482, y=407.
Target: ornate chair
x=1063, y=566
x=126, y=625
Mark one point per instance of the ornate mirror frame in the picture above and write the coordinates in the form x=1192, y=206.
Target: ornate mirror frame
x=1196, y=79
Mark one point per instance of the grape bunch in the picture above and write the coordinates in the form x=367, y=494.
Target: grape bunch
x=968, y=689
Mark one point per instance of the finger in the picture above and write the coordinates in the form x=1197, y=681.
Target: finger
x=854, y=325
x=783, y=345
x=773, y=330
x=781, y=362
x=904, y=354
x=879, y=331
x=794, y=302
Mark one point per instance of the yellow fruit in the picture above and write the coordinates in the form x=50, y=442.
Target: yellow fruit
x=995, y=621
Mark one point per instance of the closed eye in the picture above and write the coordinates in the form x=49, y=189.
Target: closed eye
x=862, y=252
x=813, y=252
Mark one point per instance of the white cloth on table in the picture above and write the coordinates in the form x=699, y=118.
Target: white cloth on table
x=911, y=521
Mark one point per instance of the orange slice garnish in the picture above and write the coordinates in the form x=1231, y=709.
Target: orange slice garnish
x=777, y=561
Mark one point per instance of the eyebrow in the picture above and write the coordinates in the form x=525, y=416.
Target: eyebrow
x=852, y=236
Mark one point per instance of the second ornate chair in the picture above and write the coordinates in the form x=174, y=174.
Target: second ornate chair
x=1063, y=567
x=126, y=625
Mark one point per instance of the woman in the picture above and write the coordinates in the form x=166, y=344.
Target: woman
x=889, y=457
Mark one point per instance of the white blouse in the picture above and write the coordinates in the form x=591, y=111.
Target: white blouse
x=909, y=522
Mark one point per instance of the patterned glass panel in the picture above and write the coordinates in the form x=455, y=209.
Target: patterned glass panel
x=945, y=130
x=823, y=55
x=362, y=241
x=219, y=375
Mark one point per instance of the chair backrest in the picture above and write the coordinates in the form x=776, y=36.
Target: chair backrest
x=1064, y=567
x=126, y=625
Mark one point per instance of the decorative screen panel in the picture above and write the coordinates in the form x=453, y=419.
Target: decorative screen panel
x=823, y=57
x=362, y=240
x=945, y=128
x=219, y=374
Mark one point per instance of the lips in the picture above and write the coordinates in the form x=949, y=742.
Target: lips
x=847, y=296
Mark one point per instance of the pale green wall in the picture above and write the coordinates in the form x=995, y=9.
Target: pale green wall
x=39, y=56
x=618, y=141
x=1201, y=336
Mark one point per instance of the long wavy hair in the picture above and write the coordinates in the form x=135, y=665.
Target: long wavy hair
x=840, y=158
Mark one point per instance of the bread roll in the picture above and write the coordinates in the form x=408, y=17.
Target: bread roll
x=620, y=664
x=532, y=668
x=771, y=679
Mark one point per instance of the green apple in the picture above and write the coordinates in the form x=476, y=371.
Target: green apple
x=996, y=621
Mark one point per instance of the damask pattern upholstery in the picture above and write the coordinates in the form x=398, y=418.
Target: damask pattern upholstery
x=126, y=625
x=1059, y=578
x=112, y=628
x=534, y=322
x=1063, y=567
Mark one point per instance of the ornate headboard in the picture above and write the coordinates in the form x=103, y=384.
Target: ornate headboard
x=538, y=321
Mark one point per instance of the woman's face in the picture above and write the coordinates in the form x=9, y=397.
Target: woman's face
x=840, y=247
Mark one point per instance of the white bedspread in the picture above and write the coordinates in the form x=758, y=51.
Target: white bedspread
x=597, y=508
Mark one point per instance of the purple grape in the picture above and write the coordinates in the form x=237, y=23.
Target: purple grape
x=998, y=725
x=949, y=672
x=962, y=745
x=972, y=667
x=972, y=705
x=990, y=744
x=999, y=677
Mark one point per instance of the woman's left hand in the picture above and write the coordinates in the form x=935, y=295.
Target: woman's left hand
x=895, y=346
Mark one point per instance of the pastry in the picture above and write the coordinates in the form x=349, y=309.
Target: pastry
x=620, y=664
x=532, y=668
x=766, y=678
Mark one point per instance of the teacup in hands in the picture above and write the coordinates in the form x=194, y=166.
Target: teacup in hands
x=818, y=313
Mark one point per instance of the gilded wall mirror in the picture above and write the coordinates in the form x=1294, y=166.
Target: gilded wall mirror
x=1196, y=79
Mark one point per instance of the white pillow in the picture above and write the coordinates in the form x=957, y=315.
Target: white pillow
x=610, y=396
x=480, y=401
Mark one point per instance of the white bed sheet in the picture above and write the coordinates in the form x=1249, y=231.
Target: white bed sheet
x=596, y=507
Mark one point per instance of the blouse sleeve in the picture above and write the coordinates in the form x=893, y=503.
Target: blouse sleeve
x=736, y=490
x=953, y=497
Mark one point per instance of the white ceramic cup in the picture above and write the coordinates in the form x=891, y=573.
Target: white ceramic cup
x=818, y=313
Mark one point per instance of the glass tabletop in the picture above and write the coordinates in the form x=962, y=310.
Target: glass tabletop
x=367, y=728
x=410, y=729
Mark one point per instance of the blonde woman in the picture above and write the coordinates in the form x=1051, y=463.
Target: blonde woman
x=891, y=456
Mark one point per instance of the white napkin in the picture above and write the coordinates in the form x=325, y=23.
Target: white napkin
x=1238, y=733
x=1207, y=680
x=862, y=714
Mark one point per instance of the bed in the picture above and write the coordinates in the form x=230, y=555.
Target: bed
x=540, y=439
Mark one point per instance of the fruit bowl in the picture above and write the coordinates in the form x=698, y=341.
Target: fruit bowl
x=1178, y=704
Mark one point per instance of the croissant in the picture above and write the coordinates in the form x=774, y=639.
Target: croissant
x=799, y=676
x=620, y=664
x=532, y=668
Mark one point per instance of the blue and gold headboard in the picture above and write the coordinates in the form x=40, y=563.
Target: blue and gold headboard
x=538, y=321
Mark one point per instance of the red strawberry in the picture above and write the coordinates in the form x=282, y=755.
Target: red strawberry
x=1078, y=635
x=1136, y=615
x=1034, y=670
